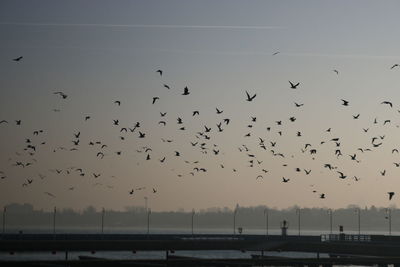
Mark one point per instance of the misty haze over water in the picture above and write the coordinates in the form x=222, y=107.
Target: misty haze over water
x=313, y=221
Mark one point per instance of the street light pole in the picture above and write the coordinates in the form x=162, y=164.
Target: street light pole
x=298, y=218
x=389, y=217
x=234, y=221
x=330, y=220
x=266, y=220
x=148, y=221
x=359, y=220
x=4, y=220
x=192, y=219
x=102, y=220
x=145, y=203
x=54, y=222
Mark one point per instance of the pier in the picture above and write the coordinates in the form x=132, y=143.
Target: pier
x=344, y=249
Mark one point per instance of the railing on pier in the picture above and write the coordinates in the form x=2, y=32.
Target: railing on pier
x=345, y=238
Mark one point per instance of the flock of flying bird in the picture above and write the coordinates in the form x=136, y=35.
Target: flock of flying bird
x=202, y=141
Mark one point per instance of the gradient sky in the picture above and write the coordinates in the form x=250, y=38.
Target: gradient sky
x=100, y=51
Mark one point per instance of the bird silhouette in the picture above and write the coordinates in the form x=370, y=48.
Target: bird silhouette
x=391, y=194
x=154, y=99
x=387, y=103
x=18, y=59
x=298, y=105
x=285, y=180
x=186, y=91
x=160, y=72
x=293, y=86
x=64, y=96
x=345, y=102
x=50, y=194
x=250, y=98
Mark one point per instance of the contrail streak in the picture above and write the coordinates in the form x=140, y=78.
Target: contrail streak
x=160, y=26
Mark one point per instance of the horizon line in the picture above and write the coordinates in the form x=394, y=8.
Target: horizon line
x=165, y=26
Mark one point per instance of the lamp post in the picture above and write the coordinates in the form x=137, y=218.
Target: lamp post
x=298, y=218
x=148, y=221
x=234, y=220
x=54, y=222
x=389, y=217
x=330, y=220
x=359, y=220
x=102, y=220
x=266, y=220
x=145, y=204
x=4, y=220
x=192, y=219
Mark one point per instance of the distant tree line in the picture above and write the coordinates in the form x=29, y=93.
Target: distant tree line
x=25, y=217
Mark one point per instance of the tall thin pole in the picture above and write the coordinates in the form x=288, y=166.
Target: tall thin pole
x=389, y=217
x=330, y=220
x=148, y=221
x=54, y=222
x=4, y=220
x=266, y=221
x=192, y=219
x=145, y=204
x=298, y=218
x=359, y=220
x=102, y=220
x=234, y=221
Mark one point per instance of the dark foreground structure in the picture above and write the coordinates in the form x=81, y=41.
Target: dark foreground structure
x=342, y=249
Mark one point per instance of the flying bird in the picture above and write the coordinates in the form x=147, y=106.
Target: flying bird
x=250, y=98
x=154, y=99
x=64, y=96
x=387, y=103
x=18, y=59
x=185, y=91
x=345, y=102
x=293, y=86
x=160, y=72
x=298, y=105
x=391, y=194
x=49, y=194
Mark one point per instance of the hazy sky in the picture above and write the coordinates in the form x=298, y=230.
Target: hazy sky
x=97, y=52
